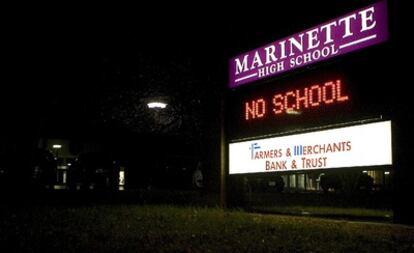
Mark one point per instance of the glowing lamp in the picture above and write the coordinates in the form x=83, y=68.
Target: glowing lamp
x=157, y=105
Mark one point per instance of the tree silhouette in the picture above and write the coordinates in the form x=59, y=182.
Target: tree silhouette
x=193, y=101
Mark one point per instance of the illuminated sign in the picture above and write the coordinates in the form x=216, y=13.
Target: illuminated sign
x=294, y=101
x=361, y=145
x=322, y=96
x=356, y=30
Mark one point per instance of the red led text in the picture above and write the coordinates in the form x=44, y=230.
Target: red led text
x=295, y=101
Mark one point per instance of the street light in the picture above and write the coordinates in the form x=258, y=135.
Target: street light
x=156, y=105
x=56, y=147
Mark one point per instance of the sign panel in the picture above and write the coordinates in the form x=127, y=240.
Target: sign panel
x=354, y=146
x=295, y=101
x=318, y=97
x=356, y=30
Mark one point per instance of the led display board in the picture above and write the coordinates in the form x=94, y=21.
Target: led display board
x=353, y=146
x=319, y=97
x=358, y=29
x=295, y=101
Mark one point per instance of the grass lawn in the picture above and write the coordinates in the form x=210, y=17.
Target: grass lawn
x=325, y=211
x=179, y=229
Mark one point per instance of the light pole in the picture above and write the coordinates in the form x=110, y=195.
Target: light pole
x=157, y=106
x=56, y=147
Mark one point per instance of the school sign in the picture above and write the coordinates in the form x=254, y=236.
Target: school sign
x=356, y=30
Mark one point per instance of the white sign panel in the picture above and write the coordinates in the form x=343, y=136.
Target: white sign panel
x=362, y=145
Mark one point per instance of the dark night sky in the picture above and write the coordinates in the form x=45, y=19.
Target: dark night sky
x=59, y=63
